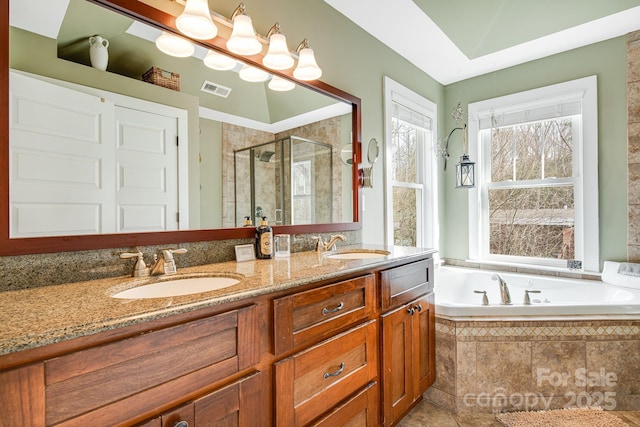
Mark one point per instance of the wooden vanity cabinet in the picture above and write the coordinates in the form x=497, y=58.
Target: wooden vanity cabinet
x=356, y=352
x=332, y=378
x=188, y=366
x=408, y=338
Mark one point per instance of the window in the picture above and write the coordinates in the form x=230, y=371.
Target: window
x=411, y=198
x=537, y=196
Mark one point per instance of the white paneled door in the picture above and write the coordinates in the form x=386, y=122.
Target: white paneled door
x=147, y=170
x=79, y=164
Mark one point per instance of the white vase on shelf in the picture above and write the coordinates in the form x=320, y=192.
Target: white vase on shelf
x=98, y=52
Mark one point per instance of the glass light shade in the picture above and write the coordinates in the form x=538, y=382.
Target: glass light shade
x=195, y=21
x=278, y=56
x=307, y=68
x=218, y=61
x=174, y=45
x=253, y=74
x=243, y=40
x=465, y=173
x=281, y=85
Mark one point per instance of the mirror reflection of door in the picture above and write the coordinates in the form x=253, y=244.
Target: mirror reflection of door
x=83, y=165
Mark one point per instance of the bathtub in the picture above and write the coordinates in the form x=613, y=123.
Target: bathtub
x=558, y=296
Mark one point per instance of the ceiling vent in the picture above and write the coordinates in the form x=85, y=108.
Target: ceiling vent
x=215, y=89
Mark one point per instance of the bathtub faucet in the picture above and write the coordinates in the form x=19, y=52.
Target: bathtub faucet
x=504, y=289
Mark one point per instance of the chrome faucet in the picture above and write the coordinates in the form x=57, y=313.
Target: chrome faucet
x=504, y=289
x=164, y=263
x=327, y=246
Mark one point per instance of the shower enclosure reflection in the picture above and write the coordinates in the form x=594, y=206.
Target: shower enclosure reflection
x=288, y=180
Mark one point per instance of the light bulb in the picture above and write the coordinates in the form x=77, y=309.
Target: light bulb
x=174, y=45
x=243, y=40
x=218, y=61
x=195, y=21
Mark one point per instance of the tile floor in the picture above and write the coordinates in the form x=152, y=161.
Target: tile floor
x=426, y=414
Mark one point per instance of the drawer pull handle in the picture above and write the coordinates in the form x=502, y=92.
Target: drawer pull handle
x=334, y=374
x=418, y=307
x=411, y=310
x=332, y=310
x=181, y=424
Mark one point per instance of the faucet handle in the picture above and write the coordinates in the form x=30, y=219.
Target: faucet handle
x=140, y=268
x=168, y=253
x=319, y=245
x=527, y=300
x=485, y=300
x=169, y=266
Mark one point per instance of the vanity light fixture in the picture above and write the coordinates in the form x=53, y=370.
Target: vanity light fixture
x=243, y=40
x=218, y=61
x=281, y=85
x=307, y=68
x=465, y=168
x=278, y=56
x=195, y=21
x=253, y=74
x=173, y=45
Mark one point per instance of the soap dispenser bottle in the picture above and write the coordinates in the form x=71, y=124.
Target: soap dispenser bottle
x=247, y=221
x=264, y=240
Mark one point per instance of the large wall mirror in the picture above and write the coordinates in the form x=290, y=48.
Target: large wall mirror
x=97, y=159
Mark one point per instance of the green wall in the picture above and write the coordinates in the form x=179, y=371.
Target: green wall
x=607, y=60
x=353, y=61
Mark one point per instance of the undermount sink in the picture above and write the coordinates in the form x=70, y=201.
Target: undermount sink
x=178, y=287
x=358, y=254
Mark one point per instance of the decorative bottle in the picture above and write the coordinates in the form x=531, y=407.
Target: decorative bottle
x=98, y=53
x=264, y=240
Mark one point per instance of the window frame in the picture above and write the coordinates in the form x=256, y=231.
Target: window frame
x=585, y=173
x=427, y=221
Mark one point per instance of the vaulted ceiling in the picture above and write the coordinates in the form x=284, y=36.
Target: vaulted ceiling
x=453, y=40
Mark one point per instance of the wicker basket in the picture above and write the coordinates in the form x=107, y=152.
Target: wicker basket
x=160, y=77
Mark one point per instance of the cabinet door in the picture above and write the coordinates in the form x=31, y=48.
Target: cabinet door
x=397, y=382
x=423, y=344
x=22, y=396
x=238, y=404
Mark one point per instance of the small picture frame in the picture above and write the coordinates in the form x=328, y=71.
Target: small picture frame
x=245, y=252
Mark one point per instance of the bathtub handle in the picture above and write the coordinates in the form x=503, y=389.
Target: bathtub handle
x=485, y=300
x=527, y=300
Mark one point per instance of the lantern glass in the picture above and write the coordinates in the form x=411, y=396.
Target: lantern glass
x=465, y=173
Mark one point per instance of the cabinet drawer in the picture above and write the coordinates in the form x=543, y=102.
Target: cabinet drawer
x=312, y=382
x=360, y=410
x=306, y=317
x=402, y=284
x=113, y=383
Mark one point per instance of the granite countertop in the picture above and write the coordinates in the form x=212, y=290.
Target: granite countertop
x=36, y=317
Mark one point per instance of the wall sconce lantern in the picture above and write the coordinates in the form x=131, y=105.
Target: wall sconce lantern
x=465, y=169
x=465, y=173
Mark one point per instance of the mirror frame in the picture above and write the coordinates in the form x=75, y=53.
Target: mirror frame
x=145, y=13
